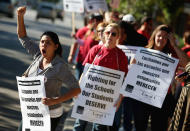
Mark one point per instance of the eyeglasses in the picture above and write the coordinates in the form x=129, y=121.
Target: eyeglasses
x=112, y=33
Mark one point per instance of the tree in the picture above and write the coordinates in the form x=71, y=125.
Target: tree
x=164, y=11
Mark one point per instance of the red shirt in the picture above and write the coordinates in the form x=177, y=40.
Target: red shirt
x=81, y=32
x=111, y=58
x=89, y=42
x=186, y=49
x=144, y=34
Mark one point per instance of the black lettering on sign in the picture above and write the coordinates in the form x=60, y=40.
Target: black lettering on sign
x=139, y=63
x=165, y=64
x=38, y=99
x=165, y=71
x=112, y=82
x=89, y=86
x=85, y=93
x=34, y=115
x=102, y=89
x=27, y=91
x=142, y=84
x=95, y=104
x=29, y=83
x=35, y=91
x=102, y=97
x=32, y=108
x=36, y=123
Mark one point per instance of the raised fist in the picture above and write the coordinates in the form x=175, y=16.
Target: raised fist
x=21, y=10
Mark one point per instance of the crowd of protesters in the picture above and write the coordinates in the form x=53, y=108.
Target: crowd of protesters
x=99, y=38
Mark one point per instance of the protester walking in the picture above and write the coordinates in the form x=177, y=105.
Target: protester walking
x=186, y=39
x=146, y=27
x=162, y=40
x=87, y=41
x=48, y=63
x=110, y=56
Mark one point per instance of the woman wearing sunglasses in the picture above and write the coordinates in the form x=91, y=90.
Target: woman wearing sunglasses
x=100, y=32
x=110, y=56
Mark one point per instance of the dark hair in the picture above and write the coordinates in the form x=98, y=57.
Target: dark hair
x=133, y=38
x=55, y=40
x=146, y=19
x=186, y=37
x=96, y=16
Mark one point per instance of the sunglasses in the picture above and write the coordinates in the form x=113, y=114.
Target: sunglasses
x=114, y=34
x=100, y=31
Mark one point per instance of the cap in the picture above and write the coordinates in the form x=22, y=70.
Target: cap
x=96, y=16
x=128, y=18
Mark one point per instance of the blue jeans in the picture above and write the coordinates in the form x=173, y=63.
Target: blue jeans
x=127, y=104
x=79, y=70
x=159, y=116
x=80, y=125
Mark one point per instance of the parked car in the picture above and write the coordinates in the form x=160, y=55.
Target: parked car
x=60, y=11
x=46, y=10
x=7, y=7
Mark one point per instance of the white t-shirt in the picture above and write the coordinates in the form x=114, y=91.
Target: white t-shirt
x=55, y=112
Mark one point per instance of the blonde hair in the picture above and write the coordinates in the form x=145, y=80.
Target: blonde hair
x=102, y=24
x=115, y=26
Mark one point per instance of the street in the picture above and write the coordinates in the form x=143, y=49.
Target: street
x=15, y=60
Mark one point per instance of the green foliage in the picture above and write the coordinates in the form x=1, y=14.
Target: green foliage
x=165, y=11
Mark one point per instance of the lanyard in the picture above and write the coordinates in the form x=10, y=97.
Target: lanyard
x=116, y=57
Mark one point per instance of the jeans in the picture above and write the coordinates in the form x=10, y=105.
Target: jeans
x=80, y=125
x=79, y=70
x=159, y=116
x=127, y=104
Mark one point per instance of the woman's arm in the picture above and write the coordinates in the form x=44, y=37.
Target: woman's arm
x=21, y=30
x=118, y=102
x=52, y=101
x=183, y=58
x=26, y=42
x=72, y=52
x=72, y=93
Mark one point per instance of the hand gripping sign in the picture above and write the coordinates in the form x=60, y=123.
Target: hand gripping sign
x=35, y=115
x=149, y=79
x=99, y=91
x=130, y=52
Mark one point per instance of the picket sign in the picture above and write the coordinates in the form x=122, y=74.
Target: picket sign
x=99, y=92
x=130, y=52
x=73, y=6
x=35, y=115
x=149, y=79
